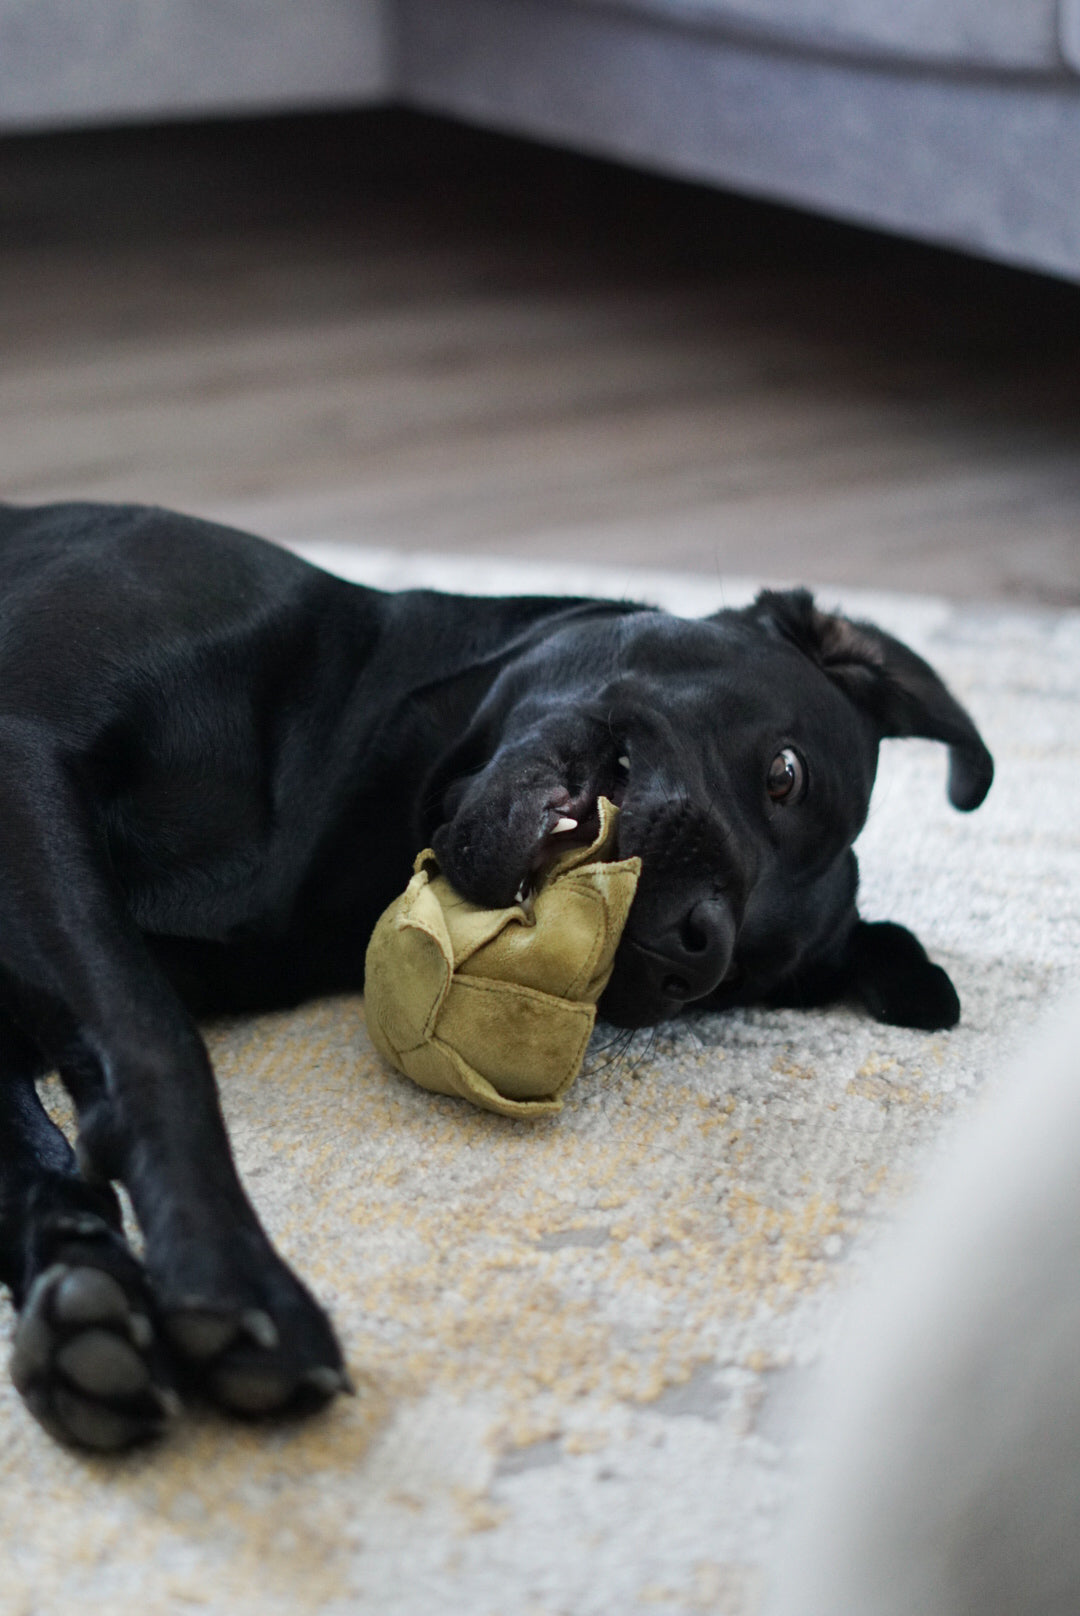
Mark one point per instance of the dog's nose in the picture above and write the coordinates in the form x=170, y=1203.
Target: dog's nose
x=693, y=954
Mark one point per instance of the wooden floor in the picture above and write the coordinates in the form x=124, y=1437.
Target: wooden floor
x=381, y=328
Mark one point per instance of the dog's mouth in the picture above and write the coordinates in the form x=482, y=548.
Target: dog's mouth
x=571, y=820
x=508, y=826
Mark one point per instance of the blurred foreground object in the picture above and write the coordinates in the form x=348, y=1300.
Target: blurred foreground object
x=946, y=1477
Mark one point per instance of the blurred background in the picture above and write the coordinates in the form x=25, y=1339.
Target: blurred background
x=383, y=326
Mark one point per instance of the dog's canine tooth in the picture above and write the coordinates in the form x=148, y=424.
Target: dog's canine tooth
x=563, y=824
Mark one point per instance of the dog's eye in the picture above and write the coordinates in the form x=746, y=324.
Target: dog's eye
x=787, y=776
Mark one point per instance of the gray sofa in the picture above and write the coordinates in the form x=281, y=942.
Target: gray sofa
x=956, y=121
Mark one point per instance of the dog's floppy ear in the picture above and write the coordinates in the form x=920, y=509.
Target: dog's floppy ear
x=900, y=692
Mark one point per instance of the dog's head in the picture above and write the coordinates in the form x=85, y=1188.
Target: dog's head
x=742, y=751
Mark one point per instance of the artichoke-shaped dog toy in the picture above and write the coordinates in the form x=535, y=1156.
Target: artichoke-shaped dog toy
x=497, y=1005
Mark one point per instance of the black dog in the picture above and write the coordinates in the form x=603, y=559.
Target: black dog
x=217, y=765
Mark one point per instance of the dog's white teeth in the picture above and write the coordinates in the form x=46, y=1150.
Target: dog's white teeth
x=563, y=824
x=522, y=892
x=624, y=764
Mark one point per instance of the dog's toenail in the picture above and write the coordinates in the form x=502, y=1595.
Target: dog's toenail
x=84, y=1224
x=168, y=1401
x=141, y=1331
x=327, y=1381
x=31, y=1349
x=43, y=1284
x=86, y=1163
x=261, y=1328
x=45, y=1280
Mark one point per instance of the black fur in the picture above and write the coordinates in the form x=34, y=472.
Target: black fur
x=216, y=765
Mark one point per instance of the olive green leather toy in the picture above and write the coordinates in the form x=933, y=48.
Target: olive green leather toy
x=497, y=1005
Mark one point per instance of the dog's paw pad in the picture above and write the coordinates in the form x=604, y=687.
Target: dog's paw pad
x=264, y=1388
x=199, y=1333
x=249, y=1363
x=86, y=1295
x=251, y=1388
x=101, y=1363
x=82, y=1358
x=87, y=1423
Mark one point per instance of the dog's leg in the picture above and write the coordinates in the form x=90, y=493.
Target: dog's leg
x=75, y=971
x=86, y=1355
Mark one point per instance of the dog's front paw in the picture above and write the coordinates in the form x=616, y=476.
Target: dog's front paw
x=270, y=1350
x=85, y=1355
x=897, y=982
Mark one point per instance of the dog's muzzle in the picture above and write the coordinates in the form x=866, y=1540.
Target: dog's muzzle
x=679, y=944
x=684, y=960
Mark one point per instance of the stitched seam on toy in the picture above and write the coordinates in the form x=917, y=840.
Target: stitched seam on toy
x=514, y=990
x=480, y=1091
x=571, y=1010
x=579, y=1057
x=584, y=880
x=439, y=999
x=601, y=937
x=507, y=917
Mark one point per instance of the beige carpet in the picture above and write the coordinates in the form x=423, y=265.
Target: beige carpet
x=581, y=1345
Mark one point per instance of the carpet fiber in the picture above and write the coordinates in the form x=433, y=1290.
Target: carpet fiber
x=581, y=1344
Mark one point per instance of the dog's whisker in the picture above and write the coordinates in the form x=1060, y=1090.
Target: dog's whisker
x=616, y=1049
